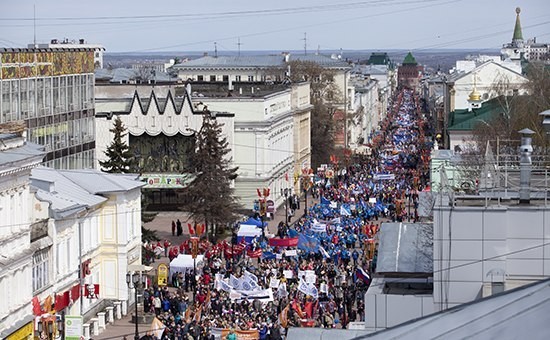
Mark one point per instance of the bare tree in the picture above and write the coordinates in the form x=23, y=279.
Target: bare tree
x=325, y=98
x=515, y=111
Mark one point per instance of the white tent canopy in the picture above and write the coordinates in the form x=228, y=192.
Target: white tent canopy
x=249, y=230
x=184, y=263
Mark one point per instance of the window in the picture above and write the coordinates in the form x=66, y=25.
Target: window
x=40, y=269
x=225, y=78
x=212, y=78
x=200, y=78
x=250, y=78
x=237, y=78
x=6, y=109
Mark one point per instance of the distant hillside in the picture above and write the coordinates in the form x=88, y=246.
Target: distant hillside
x=432, y=59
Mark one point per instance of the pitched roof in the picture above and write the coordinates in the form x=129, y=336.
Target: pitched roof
x=379, y=59
x=409, y=60
x=465, y=120
x=73, y=191
x=517, y=28
x=508, y=315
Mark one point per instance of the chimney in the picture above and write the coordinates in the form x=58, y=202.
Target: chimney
x=81, y=41
x=525, y=151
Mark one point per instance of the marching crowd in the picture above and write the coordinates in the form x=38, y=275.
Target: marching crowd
x=315, y=272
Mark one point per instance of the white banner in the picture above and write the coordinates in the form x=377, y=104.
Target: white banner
x=308, y=275
x=291, y=252
x=274, y=283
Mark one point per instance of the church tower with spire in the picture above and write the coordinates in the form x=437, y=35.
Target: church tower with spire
x=514, y=50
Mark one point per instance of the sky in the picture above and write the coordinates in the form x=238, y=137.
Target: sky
x=282, y=25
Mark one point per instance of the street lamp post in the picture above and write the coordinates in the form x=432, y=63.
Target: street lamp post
x=285, y=192
x=133, y=281
x=306, y=183
x=546, y=121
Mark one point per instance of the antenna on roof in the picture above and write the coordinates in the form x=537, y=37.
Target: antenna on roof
x=215, y=49
x=34, y=24
x=305, y=43
x=239, y=46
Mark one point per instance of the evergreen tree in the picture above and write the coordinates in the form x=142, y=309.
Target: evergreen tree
x=210, y=196
x=119, y=157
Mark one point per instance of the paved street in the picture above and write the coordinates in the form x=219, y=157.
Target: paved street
x=162, y=224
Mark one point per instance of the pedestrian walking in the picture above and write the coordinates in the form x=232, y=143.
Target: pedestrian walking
x=173, y=228
x=179, y=228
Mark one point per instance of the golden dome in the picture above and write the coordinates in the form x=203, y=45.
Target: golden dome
x=474, y=96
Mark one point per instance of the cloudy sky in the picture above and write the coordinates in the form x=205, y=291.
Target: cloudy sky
x=182, y=25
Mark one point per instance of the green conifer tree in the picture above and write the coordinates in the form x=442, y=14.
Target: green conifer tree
x=119, y=157
x=210, y=194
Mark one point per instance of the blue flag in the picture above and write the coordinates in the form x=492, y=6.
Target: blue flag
x=308, y=244
x=325, y=201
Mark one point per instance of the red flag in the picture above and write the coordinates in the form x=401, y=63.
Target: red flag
x=191, y=229
x=286, y=176
x=254, y=253
x=259, y=192
x=36, y=308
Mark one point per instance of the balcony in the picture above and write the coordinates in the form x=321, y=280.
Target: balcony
x=39, y=230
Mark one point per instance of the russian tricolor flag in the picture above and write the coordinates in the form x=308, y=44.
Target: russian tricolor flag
x=361, y=274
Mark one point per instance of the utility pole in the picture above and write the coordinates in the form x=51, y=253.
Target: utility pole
x=215, y=49
x=305, y=43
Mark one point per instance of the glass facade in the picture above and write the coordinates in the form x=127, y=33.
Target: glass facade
x=59, y=113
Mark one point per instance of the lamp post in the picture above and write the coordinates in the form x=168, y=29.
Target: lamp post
x=285, y=192
x=546, y=121
x=133, y=281
x=307, y=173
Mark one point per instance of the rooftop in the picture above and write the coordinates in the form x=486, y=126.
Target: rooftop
x=466, y=120
x=73, y=191
x=409, y=60
x=16, y=152
x=405, y=248
x=509, y=315
x=259, y=61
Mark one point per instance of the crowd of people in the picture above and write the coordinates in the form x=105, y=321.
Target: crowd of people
x=314, y=272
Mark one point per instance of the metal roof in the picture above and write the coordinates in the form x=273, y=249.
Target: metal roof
x=118, y=75
x=515, y=314
x=28, y=152
x=98, y=182
x=260, y=61
x=72, y=191
x=405, y=248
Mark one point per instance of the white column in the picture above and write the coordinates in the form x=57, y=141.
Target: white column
x=118, y=310
x=124, y=307
x=110, y=315
x=101, y=321
x=86, y=331
x=95, y=326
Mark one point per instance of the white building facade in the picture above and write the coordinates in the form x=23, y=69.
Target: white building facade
x=91, y=234
x=272, y=140
x=16, y=259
